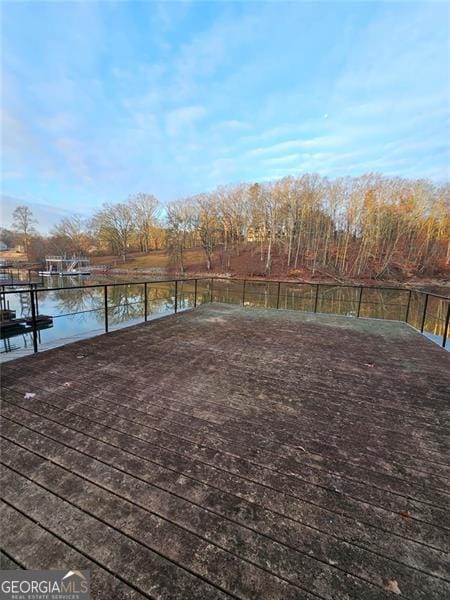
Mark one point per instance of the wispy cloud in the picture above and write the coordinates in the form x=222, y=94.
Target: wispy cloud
x=176, y=98
x=283, y=160
x=234, y=124
x=318, y=142
x=181, y=119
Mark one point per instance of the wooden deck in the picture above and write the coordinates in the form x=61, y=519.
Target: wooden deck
x=229, y=452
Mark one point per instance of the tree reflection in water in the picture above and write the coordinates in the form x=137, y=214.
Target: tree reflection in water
x=84, y=308
x=72, y=300
x=379, y=303
x=125, y=301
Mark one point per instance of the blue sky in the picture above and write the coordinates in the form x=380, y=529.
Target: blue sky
x=105, y=99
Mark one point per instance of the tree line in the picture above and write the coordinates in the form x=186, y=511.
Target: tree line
x=367, y=226
x=116, y=228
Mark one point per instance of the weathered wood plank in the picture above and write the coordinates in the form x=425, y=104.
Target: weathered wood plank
x=215, y=420
x=276, y=514
x=284, y=426
x=7, y=563
x=148, y=532
x=410, y=528
x=285, y=455
x=36, y=548
x=225, y=453
x=291, y=559
x=118, y=553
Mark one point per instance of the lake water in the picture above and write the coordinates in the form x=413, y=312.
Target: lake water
x=80, y=312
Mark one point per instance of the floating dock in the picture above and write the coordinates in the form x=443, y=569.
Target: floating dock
x=11, y=327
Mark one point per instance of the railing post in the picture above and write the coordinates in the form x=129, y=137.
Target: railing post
x=408, y=306
x=33, y=321
x=359, y=300
x=211, y=294
x=145, y=301
x=278, y=294
x=444, y=337
x=36, y=298
x=195, y=293
x=176, y=295
x=105, y=299
x=316, y=300
x=243, y=293
x=424, y=314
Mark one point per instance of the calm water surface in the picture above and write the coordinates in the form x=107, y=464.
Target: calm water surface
x=80, y=313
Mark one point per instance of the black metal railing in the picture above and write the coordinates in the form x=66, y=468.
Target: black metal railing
x=428, y=313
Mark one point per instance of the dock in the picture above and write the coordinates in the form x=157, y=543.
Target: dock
x=231, y=452
x=63, y=266
x=10, y=326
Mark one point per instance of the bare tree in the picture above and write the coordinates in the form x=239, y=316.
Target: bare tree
x=363, y=226
x=23, y=223
x=114, y=225
x=71, y=235
x=207, y=225
x=180, y=224
x=145, y=210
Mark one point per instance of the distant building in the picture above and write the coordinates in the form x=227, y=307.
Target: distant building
x=257, y=234
x=262, y=233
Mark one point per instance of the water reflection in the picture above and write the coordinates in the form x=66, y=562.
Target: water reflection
x=125, y=302
x=80, y=312
x=379, y=303
x=71, y=301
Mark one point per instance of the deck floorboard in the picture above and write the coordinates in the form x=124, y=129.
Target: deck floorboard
x=235, y=452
